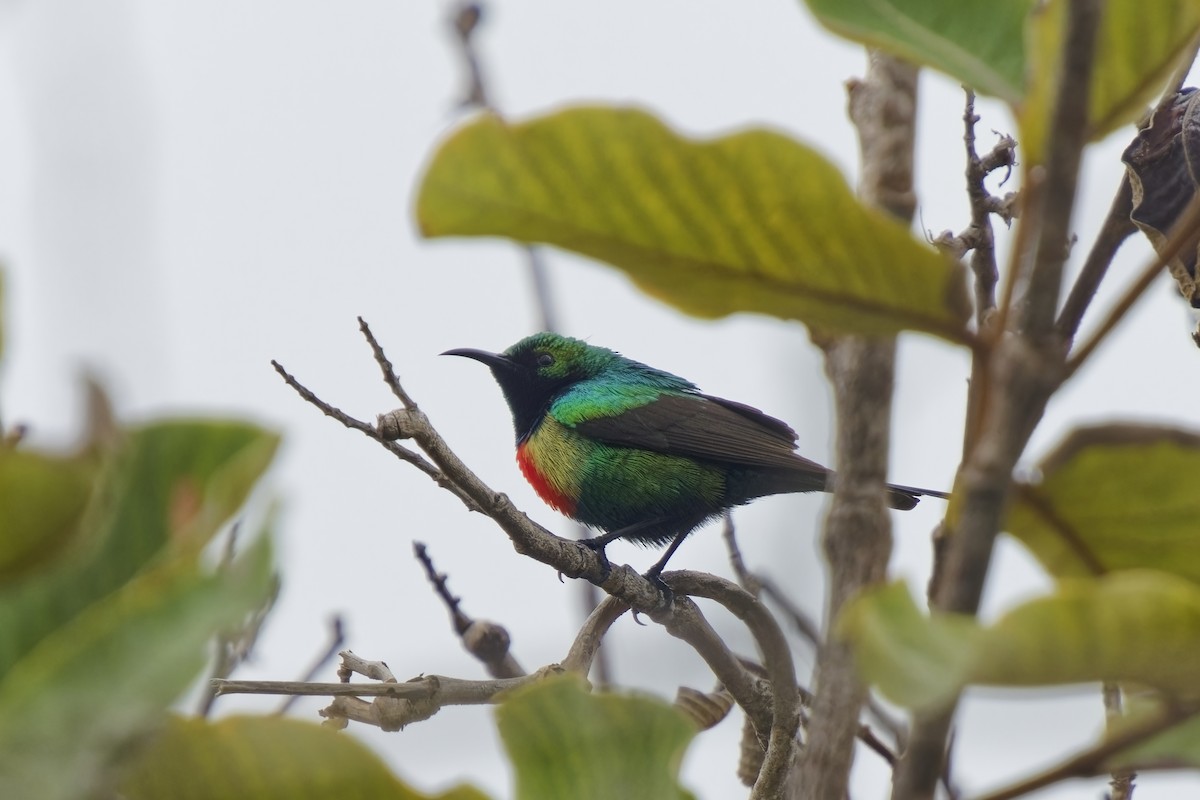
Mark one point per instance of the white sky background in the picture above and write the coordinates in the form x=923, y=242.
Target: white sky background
x=192, y=188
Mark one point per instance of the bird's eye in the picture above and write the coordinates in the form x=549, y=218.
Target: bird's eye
x=544, y=359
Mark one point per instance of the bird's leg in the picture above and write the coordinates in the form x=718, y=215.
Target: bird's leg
x=597, y=544
x=654, y=574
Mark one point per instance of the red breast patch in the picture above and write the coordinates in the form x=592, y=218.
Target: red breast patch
x=545, y=489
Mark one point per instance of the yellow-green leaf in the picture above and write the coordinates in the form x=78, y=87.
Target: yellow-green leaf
x=978, y=42
x=1136, y=626
x=754, y=221
x=1114, y=497
x=265, y=758
x=42, y=501
x=1138, y=47
x=170, y=486
x=916, y=660
x=101, y=681
x=566, y=742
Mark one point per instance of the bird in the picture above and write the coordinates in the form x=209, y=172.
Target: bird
x=639, y=453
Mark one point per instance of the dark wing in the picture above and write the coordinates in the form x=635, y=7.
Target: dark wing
x=700, y=426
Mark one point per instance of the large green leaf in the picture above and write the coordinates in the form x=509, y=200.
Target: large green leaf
x=1138, y=626
x=978, y=42
x=749, y=222
x=1114, y=497
x=1138, y=47
x=565, y=742
x=42, y=502
x=78, y=700
x=265, y=758
x=170, y=485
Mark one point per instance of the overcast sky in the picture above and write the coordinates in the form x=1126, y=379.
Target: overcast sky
x=191, y=189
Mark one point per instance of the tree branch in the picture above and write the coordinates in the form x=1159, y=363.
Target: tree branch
x=857, y=540
x=1026, y=367
x=488, y=642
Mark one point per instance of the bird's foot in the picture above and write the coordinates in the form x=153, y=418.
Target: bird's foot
x=666, y=595
x=597, y=544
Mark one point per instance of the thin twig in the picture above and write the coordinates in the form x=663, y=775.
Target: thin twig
x=370, y=431
x=983, y=250
x=234, y=645
x=337, y=638
x=581, y=657
x=747, y=579
x=1114, y=712
x=1183, y=234
x=1117, y=227
x=1094, y=761
x=385, y=367
x=489, y=642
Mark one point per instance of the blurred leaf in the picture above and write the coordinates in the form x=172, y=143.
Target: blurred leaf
x=1178, y=745
x=1139, y=46
x=1140, y=626
x=915, y=660
x=1114, y=497
x=169, y=487
x=565, y=742
x=749, y=222
x=89, y=690
x=42, y=500
x=265, y=758
x=977, y=42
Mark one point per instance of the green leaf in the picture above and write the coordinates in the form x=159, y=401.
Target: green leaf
x=1136, y=626
x=1114, y=497
x=565, y=742
x=42, y=501
x=915, y=660
x=754, y=221
x=166, y=491
x=1139, y=46
x=978, y=42
x=265, y=758
x=85, y=693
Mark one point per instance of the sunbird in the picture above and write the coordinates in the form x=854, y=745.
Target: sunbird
x=639, y=453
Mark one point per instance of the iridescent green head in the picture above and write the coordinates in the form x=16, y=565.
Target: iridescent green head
x=538, y=368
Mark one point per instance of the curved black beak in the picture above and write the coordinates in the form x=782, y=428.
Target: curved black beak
x=495, y=361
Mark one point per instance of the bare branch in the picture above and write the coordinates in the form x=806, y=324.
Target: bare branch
x=368, y=430
x=857, y=539
x=337, y=638
x=1024, y=370
x=587, y=642
x=1116, y=229
x=235, y=645
x=1093, y=761
x=777, y=659
x=1122, y=779
x=1183, y=234
x=488, y=641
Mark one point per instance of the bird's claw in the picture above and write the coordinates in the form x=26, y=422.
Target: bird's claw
x=597, y=545
x=666, y=594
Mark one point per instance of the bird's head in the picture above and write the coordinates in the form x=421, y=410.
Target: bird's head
x=537, y=369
